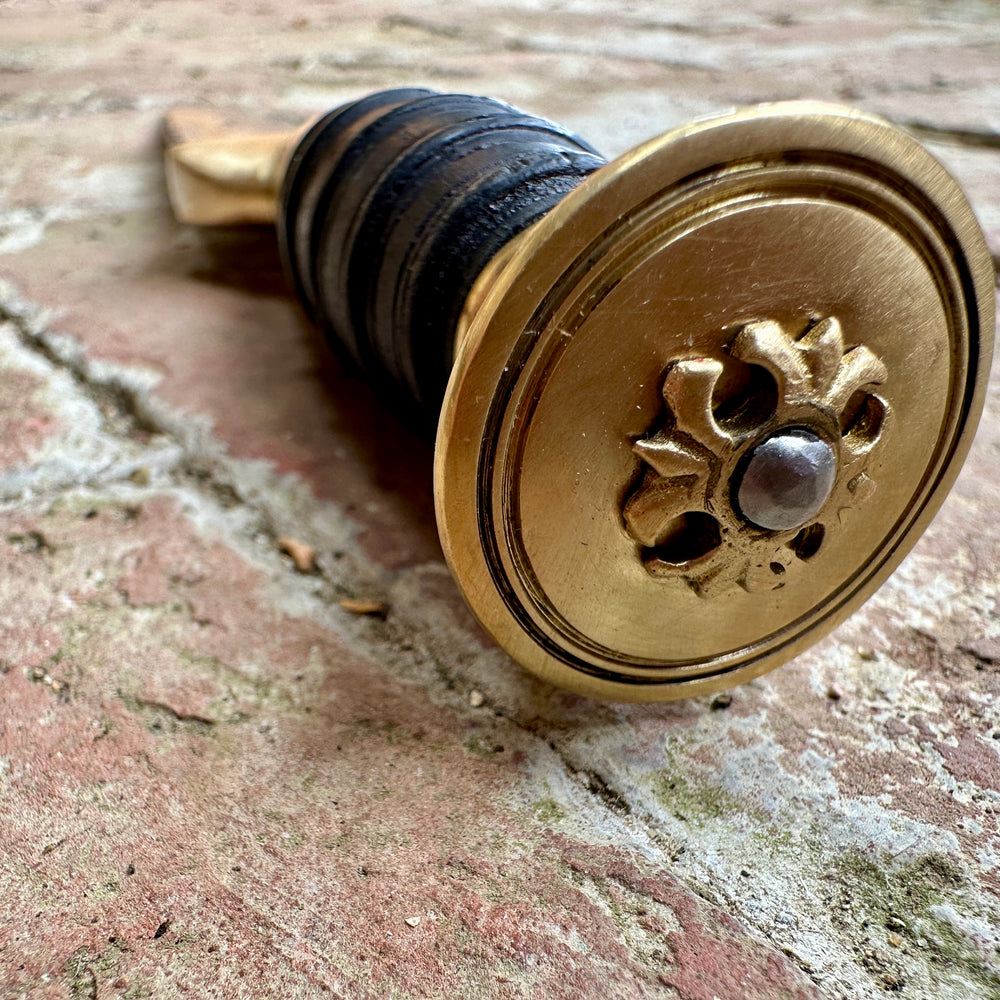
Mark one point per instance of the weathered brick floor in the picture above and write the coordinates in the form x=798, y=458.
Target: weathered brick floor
x=216, y=782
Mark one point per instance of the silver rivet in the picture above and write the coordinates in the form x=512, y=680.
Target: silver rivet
x=787, y=480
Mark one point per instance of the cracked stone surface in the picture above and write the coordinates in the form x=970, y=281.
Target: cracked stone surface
x=215, y=781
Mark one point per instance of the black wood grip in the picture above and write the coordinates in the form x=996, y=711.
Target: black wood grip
x=392, y=206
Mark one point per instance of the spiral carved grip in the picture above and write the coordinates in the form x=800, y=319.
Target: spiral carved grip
x=392, y=206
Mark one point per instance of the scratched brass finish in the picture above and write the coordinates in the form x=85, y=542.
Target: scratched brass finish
x=796, y=270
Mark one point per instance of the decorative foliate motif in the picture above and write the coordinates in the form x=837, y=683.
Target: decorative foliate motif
x=683, y=511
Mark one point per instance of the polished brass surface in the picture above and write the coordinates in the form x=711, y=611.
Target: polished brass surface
x=792, y=266
x=797, y=292
x=215, y=177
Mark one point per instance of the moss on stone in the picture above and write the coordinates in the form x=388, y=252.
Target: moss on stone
x=675, y=793
x=84, y=971
x=903, y=896
x=548, y=811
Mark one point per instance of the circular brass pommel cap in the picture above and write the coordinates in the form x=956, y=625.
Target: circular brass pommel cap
x=697, y=402
x=704, y=407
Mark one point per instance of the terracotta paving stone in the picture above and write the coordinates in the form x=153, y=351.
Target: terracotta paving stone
x=216, y=781
x=219, y=781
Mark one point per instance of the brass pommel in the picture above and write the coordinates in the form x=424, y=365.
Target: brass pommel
x=693, y=405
